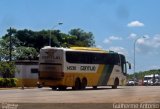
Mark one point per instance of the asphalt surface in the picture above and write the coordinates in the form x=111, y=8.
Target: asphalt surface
x=103, y=95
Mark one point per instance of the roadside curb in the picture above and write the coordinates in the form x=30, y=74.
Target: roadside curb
x=8, y=88
x=17, y=88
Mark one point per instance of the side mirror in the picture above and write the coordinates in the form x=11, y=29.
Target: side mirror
x=129, y=64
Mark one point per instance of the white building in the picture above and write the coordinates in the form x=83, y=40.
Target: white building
x=27, y=73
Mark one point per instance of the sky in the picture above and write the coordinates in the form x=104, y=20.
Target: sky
x=117, y=25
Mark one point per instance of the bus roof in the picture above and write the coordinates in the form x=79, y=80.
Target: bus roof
x=87, y=49
x=83, y=49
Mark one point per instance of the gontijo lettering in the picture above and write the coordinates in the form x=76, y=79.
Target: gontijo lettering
x=88, y=68
x=81, y=68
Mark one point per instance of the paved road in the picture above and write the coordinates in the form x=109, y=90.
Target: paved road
x=126, y=94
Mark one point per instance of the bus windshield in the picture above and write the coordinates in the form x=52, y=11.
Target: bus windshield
x=147, y=78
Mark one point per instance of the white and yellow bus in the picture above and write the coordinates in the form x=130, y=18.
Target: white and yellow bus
x=78, y=67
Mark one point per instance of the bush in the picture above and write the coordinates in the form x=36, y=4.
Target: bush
x=8, y=82
x=13, y=82
x=1, y=82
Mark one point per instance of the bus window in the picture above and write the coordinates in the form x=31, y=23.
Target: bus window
x=92, y=58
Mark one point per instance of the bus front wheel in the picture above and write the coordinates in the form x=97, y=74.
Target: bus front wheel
x=84, y=83
x=116, y=83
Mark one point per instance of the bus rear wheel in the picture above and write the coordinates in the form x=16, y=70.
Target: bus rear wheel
x=84, y=83
x=77, y=85
x=94, y=87
x=62, y=88
x=39, y=85
x=54, y=87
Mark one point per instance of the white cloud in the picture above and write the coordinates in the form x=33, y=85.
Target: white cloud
x=141, y=41
x=132, y=36
x=146, y=36
x=120, y=50
x=135, y=36
x=155, y=67
x=106, y=41
x=149, y=45
x=153, y=42
x=111, y=38
x=115, y=38
x=135, y=24
x=99, y=46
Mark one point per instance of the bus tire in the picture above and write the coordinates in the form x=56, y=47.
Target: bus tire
x=62, y=88
x=77, y=85
x=94, y=87
x=116, y=83
x=39, y=85
x=54, y=88
x=84, y=83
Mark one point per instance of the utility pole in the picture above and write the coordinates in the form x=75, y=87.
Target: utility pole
x=10, y=45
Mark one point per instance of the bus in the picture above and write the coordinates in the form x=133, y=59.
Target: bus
x=79, y=67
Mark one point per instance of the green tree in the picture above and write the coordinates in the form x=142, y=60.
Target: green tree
x=83, y=38
x=38, y=39
x=25, y=53
x=7, y=69
x=18, y=52
x=141, y=74
x=5, y=44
